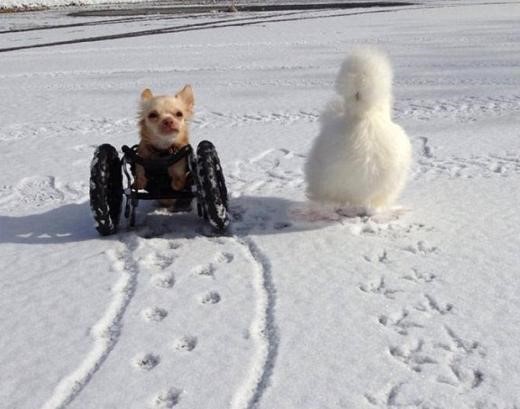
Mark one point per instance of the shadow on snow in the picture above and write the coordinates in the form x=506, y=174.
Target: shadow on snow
x=251, y=215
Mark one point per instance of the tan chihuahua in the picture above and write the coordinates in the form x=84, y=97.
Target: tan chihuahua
x=163, y=123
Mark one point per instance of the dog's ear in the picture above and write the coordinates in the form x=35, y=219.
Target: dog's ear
x=186, y=95
x=146, y=94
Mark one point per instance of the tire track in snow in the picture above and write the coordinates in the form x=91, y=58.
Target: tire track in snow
x=105, y=332
x=279, y=17
x=263, y=330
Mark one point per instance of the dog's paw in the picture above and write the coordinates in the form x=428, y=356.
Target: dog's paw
x=178, y=184
x=140, y=182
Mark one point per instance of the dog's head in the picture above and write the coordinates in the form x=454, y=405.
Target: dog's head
x=164, y=119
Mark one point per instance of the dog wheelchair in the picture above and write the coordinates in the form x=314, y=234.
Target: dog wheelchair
x=205, y=184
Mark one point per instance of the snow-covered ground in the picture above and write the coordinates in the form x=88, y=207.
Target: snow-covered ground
x=56, y=3
x=283, y=313
x=154, y=3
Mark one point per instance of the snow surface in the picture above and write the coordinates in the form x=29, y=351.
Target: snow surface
x=55, y=3
x=422, y=311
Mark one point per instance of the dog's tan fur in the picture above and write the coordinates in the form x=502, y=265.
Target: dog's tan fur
x=163, y=126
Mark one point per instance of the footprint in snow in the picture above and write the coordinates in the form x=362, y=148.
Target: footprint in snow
x=185, y=343
x=211, y=298
x=379, y=287
x=154, y=314
x=208, y=270
x=158, y=261
x=417, y=276
x=167, y=399
x=224, y=257
x=173, y=245
x=421, y=247
x=434, y=306
x=163, y=280
x=400, y=322
x=412, y=356
x=146, y=362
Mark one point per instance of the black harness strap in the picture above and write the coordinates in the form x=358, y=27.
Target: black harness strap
x=158, y=164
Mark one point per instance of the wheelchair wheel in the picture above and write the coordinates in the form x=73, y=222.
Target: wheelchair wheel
x=106, y=189
x=212, y=187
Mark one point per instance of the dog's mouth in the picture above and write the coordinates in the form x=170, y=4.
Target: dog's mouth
x=164, y=140
x=169, y=129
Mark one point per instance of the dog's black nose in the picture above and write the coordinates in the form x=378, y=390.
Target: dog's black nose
x=167, y=121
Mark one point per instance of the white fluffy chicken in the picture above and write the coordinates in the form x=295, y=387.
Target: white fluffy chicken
x=361, y=158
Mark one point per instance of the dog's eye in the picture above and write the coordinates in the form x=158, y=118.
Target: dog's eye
x=179, y=114
x=153, y=115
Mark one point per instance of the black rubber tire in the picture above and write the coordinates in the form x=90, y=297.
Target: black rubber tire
x=213, y=195
x=106, y=189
